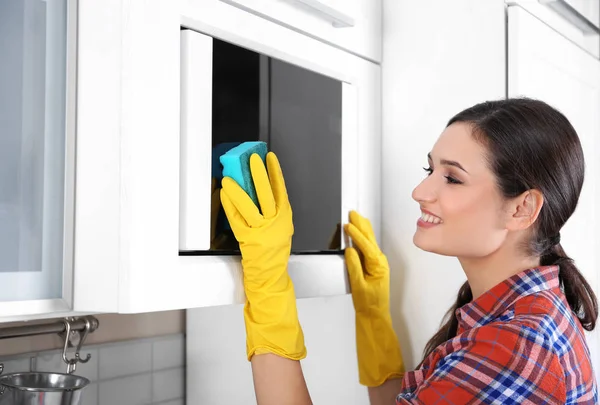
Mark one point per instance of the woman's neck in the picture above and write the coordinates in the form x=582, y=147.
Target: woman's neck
x=486, y=272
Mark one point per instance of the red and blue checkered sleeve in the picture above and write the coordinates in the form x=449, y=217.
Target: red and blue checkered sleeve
x=497, y=363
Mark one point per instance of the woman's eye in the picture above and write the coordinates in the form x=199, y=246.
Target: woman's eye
x=452, y=180
x=449, y=179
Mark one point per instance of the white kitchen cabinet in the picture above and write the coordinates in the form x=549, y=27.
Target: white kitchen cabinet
x=36, y=156
x=352, y=25
x=577, y=20
x=545, y=65
x=144, y=87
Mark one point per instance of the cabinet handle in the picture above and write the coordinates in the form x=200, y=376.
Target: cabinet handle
x=195, y=141
x=566, y=11
x=338, y=19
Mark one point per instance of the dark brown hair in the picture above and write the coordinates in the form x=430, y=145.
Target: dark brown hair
x=531, y=145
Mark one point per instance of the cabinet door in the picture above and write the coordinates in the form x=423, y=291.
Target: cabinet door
x=157, y=92
x=547, y=66
x=36, y=156
x=577, y=20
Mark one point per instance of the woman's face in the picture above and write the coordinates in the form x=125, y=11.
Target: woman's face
x=461, y=205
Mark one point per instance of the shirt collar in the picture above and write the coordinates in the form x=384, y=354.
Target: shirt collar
x=497, y=300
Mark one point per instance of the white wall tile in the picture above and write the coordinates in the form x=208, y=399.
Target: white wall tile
x=90, y=395
x=121, y=373
x=168, y=352
x=52, y=361
x=129, y=358
x=168, y=384
x=134, y=390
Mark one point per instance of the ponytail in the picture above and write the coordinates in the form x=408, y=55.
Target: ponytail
x=579, y=294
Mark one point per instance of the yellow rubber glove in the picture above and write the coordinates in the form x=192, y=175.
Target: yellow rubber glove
x=265, y=240
x=379, y=355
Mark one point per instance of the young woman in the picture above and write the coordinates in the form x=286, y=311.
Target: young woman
x=502, y=180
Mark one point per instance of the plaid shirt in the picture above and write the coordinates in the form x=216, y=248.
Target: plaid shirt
x=519, y=343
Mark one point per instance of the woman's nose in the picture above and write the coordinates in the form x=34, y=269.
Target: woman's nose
x=425, y=191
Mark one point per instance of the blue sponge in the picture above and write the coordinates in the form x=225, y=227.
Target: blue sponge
x=218, y=150
x=236, y=164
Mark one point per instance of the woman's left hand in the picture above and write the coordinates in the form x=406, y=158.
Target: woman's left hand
x=379, y=354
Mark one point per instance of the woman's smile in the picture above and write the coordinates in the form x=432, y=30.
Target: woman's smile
x=428, y=219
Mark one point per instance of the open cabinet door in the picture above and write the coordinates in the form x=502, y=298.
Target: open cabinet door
x=543, y=64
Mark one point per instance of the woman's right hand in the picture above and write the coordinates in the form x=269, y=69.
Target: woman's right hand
x=265, y=238
x=274, y=337
x=379, y=355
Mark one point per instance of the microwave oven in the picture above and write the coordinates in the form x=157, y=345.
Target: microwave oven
x=161, y=94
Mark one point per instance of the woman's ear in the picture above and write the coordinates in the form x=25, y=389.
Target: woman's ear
x=524, y=210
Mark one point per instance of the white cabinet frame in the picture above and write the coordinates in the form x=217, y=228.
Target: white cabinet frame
x=128, y=155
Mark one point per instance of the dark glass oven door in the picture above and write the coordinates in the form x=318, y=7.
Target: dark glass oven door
x=254, y=97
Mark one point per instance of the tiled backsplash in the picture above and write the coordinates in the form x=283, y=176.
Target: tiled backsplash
x=147, y=371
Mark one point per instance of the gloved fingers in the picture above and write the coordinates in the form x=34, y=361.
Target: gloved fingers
x=242, y=202
x=232, y=213
x=355, y=270
x=364, y=225
x=262, y=186
x=360, y=241
x=277, y=181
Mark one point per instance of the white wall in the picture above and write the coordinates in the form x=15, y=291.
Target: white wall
x=436, y=61
x=218, y=372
